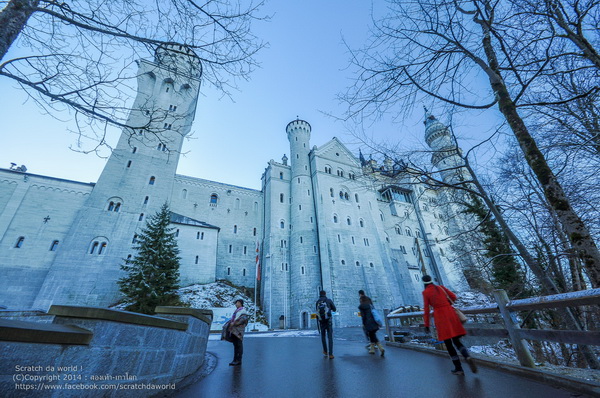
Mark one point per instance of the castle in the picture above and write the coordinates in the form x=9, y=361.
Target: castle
x=324, y=219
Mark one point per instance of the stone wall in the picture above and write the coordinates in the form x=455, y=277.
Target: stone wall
x=97, y=352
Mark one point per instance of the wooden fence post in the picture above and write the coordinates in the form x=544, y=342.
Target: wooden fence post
x=512, y=326
x=386, y=312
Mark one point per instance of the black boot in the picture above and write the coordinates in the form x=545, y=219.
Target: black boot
x=458, y=370
x=465, y=353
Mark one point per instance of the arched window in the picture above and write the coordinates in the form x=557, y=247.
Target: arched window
x=177, y=232
x=348, y=221
x=371, y=265
x=235, y=229
x=134, y=150
x=343, y=262
x=111, y=206
x=398, y=230
x=53, y=246
x=358, y=263
x=255, y=206
x=196, y=261
x=102, y=248
x=281, y=176
x=346, y=196
x=237, y=203
x=146, y=200
x=94, y=247
x=20, y=241
x=335, y=219
x=362, y=223
x=117, y=207
x=214, y=199
x=141, y=217
x=408, y=231
x=341, y=195
x=152, y=180
x=282, y=224
x=356, y=197
x=184, y=194
x=418, y=233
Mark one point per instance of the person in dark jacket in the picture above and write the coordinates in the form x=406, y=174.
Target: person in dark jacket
x=448, y=326
x=370, y=325
x=361, y=293
x=324, y=308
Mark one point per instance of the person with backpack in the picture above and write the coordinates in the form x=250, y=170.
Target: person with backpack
x=448, y=325
x=371, y=323
x=324, y=307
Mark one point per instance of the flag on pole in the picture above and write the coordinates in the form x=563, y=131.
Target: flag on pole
x=257, y=262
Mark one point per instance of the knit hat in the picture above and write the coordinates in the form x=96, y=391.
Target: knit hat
x=426, y=279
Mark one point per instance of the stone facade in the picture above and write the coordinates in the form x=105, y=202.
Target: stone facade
x=324, y=219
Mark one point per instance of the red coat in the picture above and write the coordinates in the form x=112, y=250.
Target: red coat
x=446, y=321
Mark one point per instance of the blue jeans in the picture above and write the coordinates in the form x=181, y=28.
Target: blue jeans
x=326, y=327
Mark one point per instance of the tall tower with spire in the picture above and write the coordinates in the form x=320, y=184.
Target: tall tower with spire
x=305, y=271
x=446, y=156
x=136, y=181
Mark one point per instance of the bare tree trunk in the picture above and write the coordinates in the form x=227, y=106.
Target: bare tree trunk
x=12, y=21
x=576, y=230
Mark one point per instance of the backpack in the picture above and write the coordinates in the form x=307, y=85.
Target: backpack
x=323, y=310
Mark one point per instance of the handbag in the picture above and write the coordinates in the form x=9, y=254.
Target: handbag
x=461, y=317
x=377, y=316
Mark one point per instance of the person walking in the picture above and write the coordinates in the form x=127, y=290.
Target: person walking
x=449, y=328
x=370, y=324
x=237, y=327
x=361, y=293
x=324, y=308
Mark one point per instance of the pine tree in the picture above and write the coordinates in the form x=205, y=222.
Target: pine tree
x=153, y=273
x=506, y=272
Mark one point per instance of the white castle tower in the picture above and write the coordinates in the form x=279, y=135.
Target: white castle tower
x=305, y=271
x=136, y=181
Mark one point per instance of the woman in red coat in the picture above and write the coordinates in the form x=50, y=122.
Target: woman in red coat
x=448, y=326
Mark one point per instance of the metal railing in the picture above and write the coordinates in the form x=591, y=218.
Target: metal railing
x=399, y=321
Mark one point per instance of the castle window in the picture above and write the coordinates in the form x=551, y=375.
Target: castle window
x=134, y=240
x=128, y=257
x=335, y=219
x=341, y=195
x=308, y=192
x=408, y=232
x=381, y=216
x=280, y=198
x=311, y=220
x=235, y=229
x=300, y=239
x=371, y=265
x=129, y=164
x=141, y=217
x=343, y=262
x=102, y=248
x=245, y=249
x=339, y=239
x=299, y=207
x=302, y=270
x=177, y=232
x=414, y=250
x=358, y=263
x=441, y=252
x=228, y=270
x=230, y=248
x=346, y=196
x=282, y=266
x=282, y=224
x=53, y=246
x=331, y=192
x=281, y=176
x=353, y=240
x=117, y=207
x=167, y=90
x=20, y=241
x=197, y=235
x=254, y=232
x=361, y=223
x=418, y=233
x=366, y=240
x=111, y=206
x=202, y=236
x=134, y=150
x=167, y=126
x=146, y=200
x=237, y=203
x=348, y=221
x=244, y=272
x=184, y=194
x=255, y=206
x=196, y=262
x=315, y=249
x=94, y=247
x=298, y=180
x=214, y=199
x=356, y=197
x=152, y=180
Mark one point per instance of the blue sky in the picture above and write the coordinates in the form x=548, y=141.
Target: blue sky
x=302, y=71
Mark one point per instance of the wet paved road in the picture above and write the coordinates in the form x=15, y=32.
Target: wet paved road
x=290, y=367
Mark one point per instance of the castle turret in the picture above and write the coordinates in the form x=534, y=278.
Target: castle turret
x=136, y=181
x=305, y=271
x=446, y=156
